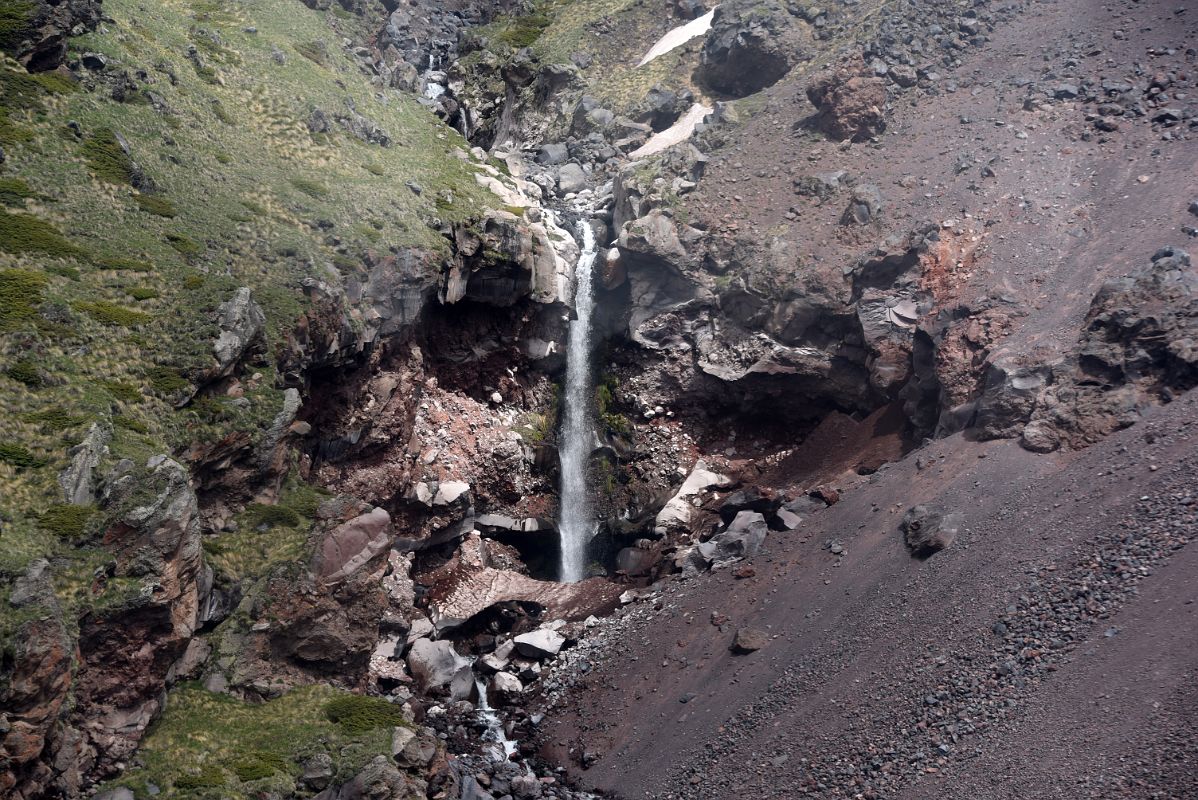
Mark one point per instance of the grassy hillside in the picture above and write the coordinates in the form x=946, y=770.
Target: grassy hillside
x=138, y=195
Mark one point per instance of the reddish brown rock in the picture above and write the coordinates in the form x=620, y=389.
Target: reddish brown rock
x=849, y=105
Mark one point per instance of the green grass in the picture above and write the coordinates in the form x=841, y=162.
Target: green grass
x=212, y=745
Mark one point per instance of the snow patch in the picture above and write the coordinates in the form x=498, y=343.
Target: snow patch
x=679, y=36
x=680, y=131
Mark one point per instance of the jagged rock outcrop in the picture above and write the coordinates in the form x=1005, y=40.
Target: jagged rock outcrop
x=36, y=33
x=1135, y=349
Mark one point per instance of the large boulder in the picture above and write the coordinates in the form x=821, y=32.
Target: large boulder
x=751, y=45
x=849, y=104
x=676, y=514
x=434, y=665
x=539, y=644
x=928, y=531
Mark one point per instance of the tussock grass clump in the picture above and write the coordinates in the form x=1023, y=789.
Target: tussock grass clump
x=157, y=205
x=66, y=521
x=25, y=371
x=20, y=293
x=19, y=456
x=111, y=314
x=263, y=516
x=186, y=246
x=56, y=419
x=107, y=158
x=311, y=188
x=14, y=192
x=258, y=765
x=124, y=391
x=140, y=293
x=25, y=233
x=357, y=714
x=123, y=264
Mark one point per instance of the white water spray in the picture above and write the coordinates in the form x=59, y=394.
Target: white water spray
x=576, y=523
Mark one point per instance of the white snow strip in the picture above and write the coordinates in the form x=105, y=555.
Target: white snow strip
x=679, y=36
x=680, y=131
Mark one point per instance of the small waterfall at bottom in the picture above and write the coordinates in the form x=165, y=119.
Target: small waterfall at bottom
x=495, y=732
x=576, y=520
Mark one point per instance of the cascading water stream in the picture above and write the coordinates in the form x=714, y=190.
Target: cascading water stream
x=576, y=523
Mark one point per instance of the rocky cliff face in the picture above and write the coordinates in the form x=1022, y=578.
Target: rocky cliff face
x=284, y=294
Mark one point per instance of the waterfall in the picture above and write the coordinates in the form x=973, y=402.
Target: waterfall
x=576, y=522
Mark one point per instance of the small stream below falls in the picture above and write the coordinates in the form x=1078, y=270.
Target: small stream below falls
x=577, y=518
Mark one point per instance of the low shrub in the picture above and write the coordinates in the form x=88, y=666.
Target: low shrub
x=66, y=521
x=186, y=246
x=111, y=314
x=19, y=456
x=107, y=158
x=20, y=294
x=310, y=187
x=166, y=380
x=123, y=391
x=122, y=264
x=156, y=204
x=25, y=371
x=25, y=233
x=14, y=192
x=55, y=419
x=357, y=714
x=141, y=293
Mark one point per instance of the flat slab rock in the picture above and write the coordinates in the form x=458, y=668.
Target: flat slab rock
x=468, y=585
